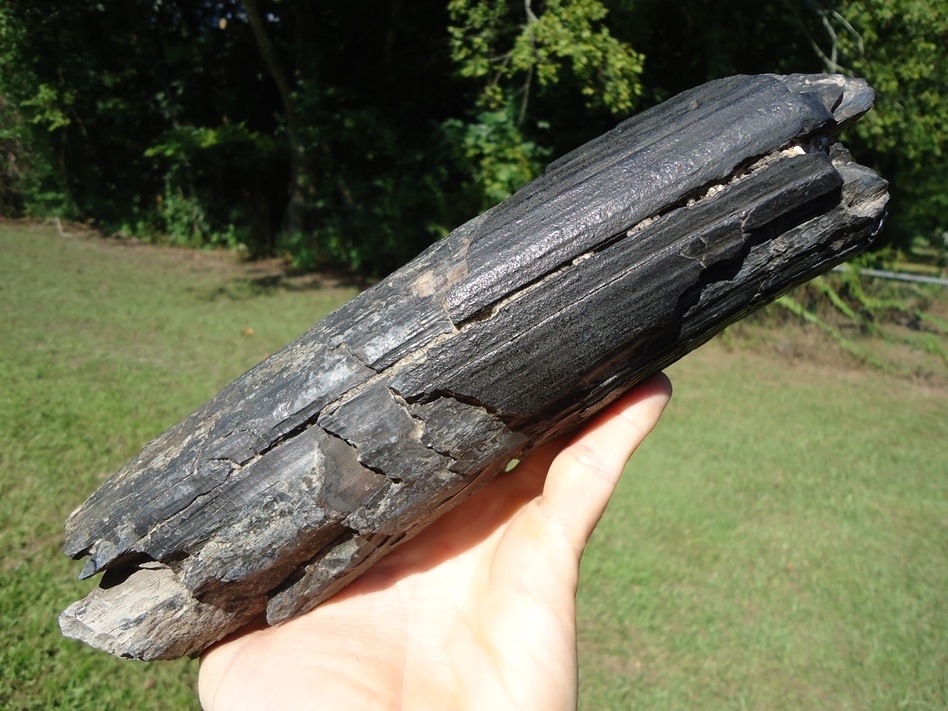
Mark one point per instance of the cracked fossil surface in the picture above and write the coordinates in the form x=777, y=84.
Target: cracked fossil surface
x=625, y=255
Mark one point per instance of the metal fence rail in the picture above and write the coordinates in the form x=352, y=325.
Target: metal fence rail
x=897, y=276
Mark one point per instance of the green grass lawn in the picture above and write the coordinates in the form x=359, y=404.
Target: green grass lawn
x=101, y=348
x=781, y=542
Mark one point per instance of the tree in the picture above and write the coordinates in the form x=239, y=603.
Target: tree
x=355, y=135
x=517, y=53
x=30, y=182
x=139, y=121
x=899, y=47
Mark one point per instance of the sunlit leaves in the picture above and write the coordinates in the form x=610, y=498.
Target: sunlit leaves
x=509, y=46
x=495, y=153
x=899, y=47
x=513, y=52
x=160, y=115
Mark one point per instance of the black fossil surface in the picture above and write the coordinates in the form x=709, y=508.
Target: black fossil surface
x=625, y=255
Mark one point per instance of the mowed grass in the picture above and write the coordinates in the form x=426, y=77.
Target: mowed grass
x=102, y=347
x=781, y=542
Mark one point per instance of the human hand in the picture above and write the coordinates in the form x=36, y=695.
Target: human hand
x=476, y=612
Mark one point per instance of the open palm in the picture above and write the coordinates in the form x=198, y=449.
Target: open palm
x=476, y=612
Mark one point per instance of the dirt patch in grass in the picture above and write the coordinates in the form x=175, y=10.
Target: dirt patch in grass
x=913, y=353
x=803, y=348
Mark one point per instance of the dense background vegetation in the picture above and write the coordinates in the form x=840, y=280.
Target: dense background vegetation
x=353, y=134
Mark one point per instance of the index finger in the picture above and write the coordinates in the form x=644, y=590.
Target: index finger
x=585, y=473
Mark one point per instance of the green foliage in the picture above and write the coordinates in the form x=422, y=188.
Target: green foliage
x=196, y=161
x=354, y=139
x=109, y=124
x=187, y=144
x=514, y=54
x=506, y=45
x=12, y=153
x=48, y=107
x=183, y=218
x=377, y=188
x=689, y=42
x=899, y=47
x=920, y=206
x=494, y=151
x=30, y=184
x=859, y=313
x=796, y=308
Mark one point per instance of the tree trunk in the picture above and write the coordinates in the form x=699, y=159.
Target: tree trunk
x=295, y=205
x=628, y=253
